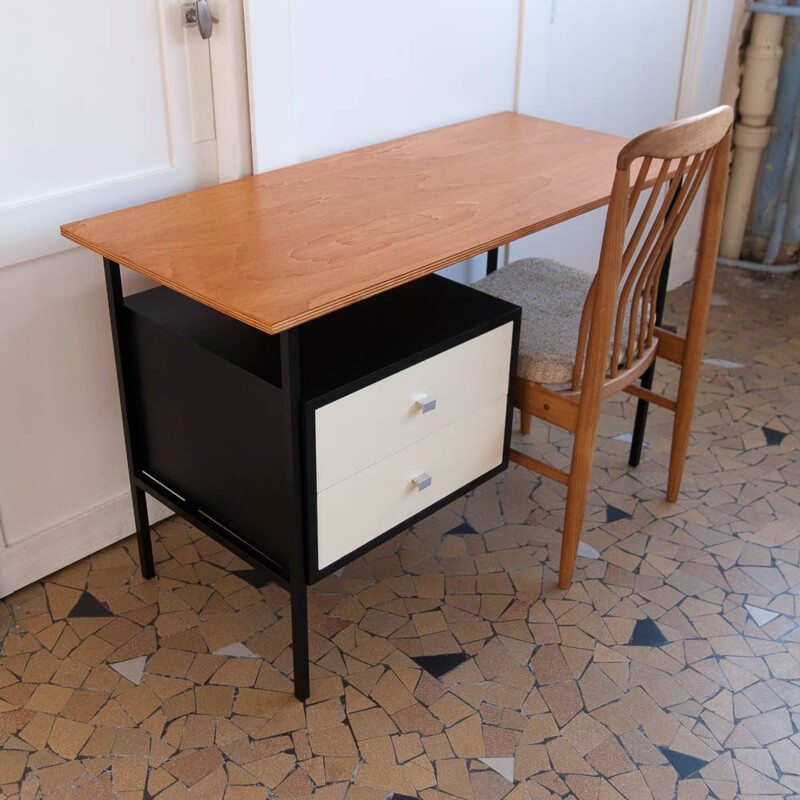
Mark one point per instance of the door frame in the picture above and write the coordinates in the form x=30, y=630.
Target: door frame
x=231, y=95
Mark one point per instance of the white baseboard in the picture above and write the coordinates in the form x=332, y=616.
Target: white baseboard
x=70, y=540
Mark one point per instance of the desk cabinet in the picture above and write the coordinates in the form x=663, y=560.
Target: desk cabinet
x=414, y=382
x=402, y=403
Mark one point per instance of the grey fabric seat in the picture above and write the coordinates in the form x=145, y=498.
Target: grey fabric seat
x=552, y=296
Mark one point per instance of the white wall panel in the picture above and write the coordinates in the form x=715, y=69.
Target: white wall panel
x=328, y=77
x=613, y=66
x=356, y=72
x=618, y=67
x=110, y=105
x=60, y=419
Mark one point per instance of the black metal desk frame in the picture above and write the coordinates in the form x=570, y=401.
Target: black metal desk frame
x=153, y=384
x=142, y=484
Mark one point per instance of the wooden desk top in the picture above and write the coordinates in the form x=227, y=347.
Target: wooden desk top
x=278, y=249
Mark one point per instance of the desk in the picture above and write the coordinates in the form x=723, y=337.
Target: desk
x=259, y=383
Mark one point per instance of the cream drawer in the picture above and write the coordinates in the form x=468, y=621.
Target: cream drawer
x=371, y=502
x=371, y=424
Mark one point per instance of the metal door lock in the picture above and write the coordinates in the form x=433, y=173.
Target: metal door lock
x=199, y=14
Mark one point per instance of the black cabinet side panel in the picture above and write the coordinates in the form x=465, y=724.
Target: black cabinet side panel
x=211, y=432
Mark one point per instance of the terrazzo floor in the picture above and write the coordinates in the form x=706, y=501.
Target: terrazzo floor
x=446, y=663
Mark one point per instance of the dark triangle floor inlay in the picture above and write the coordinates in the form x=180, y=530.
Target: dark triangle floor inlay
x=89, y=606
x=464, y=527
x=670, y=328
x=772, y=436
x=647, y=634
x=395, y=796
x=684, y=764
x=441, y=664
x=613, y=513
x=255, y=577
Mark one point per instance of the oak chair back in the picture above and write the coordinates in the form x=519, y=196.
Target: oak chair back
x=620, y=309
x=619, y=335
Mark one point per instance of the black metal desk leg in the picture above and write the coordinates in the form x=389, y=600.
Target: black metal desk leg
x=290, y=386
x=491, y=261
x=116, y=312
x=143, y=539
x=639, y=425
x=642, y=407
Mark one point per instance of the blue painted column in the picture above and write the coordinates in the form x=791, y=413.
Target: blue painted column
x=775, y=154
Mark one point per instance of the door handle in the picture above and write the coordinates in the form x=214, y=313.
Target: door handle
x=199, y=14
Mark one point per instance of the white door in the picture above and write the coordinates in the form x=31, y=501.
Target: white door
x=105, y=104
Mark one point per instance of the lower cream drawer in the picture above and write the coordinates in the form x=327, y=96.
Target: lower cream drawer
x=365, y=505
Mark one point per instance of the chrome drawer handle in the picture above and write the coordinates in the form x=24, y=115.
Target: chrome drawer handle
x=422, y=481
x=426, y=403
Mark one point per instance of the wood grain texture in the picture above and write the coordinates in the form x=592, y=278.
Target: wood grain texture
x=284, y=247
x=679, y=139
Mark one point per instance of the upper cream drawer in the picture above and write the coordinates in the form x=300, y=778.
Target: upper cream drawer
x=368, y=425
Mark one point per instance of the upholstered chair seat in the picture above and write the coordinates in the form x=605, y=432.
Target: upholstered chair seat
x=552, y=296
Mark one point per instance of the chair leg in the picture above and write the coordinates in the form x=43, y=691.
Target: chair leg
x=707, y=250
x=681, y=430
x=524, y=422
x=690, y=378
x=687, y=389
x=577, y=492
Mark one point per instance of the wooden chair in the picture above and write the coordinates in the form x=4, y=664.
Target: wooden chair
x=597, y=336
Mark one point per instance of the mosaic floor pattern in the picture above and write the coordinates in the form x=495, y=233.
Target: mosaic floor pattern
x=446, y=663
